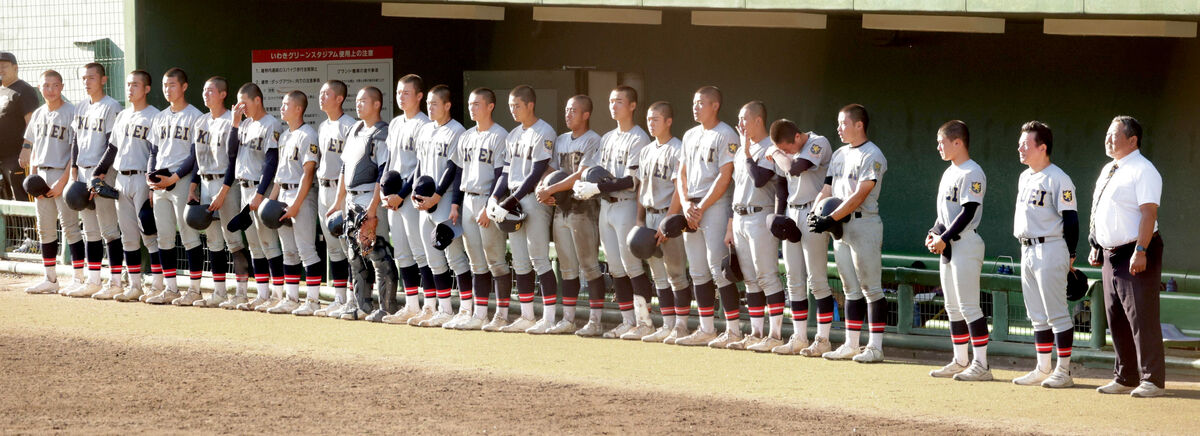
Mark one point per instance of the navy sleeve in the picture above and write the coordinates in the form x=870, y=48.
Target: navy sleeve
x=760, y=175
x=152, y=161
x=799, y=166
x=234, y=145
x=74, y=153
x=188, y=164
x=829, y=180
x=616, y=185
x=448, y=178
x=106, y=161
x=781, y=196
x=270, y=164
x=500, y=190
x=960, y=222
x=1071, y=230
x=539, y=168
x=456, y=192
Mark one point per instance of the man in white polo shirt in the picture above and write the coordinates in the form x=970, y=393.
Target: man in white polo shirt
x=1124, y=238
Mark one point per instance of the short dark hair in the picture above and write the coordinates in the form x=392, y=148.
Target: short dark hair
x=756, y=108
x=525, y=93
x=177, y=73
x=587, y=102
x=221, y=83
x=784, y=131
x=1041, y=134
x=956, y=129
x=664, y=108
x=143, y=75
x=299, y=95
x=415, y=80
x=1130, y=127
x=628, y=91
x=338, y=87
x=97, y=66
x=487, y=94
x=710, y=91
x=374, y=93
x=442, y=92
x=251, y=90
x=52, y=73
x=857, y=113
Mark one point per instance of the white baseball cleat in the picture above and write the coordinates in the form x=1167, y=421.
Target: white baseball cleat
x=697, y=338
x=309, y=308
x=437, y=320
x=324, y=311
x=658, y=335
x=617, y=331
x=286, y=305
x=590, y=330
x=188, y=299
x=817, y=348
x=745, y=342
x=1033, y=378
x=86, y=291
x=869, y=355
x=132, y=293
x=498, y=322
x=1115, y=388
x=470, y=324
x=563, y=327
x=212, y=301
x=461, y=316
x=638, y=332
x=1058, y=379
x=426, y=313
x=846, y=351
x=518, y=326
x=266, y=305
x=164, y=297
x=795, y=344
x=401, y=317
x=257, y=301
x=950, y=370
x=233, y=303
x=680, y=331
x=109, y=292
x=71, y=286
x=725, y=338
x=766, y=345
x=43, y=287
x=975, y=372
x=541, y=327
x=1148, y=390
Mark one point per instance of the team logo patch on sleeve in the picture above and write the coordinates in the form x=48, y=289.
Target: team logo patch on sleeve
x=549, y=144
x=276, y=136
x=878, y=166
x=816, y=149
x=976, y=187
x=733, y=147
x=312, y=148
x=1068, y=196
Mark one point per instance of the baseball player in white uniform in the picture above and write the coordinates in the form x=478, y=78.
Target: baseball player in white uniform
x=855, y=176
x=530, y=149
x=255, y=167
x=705, y=172
x=437, y=144
x=127, y=157
x=1047, y=226
x=620, y=150
x=50, y=135
x=481, y=155
x=959, y=209
x=299, y=154
x=754, y=195
x=94, y=117
x=576, y=231
x=171, y=150
x=658, y=165
x=364, y=160
x=332, y=138
x=403, y=218
x=803, y=159
x=214, y=186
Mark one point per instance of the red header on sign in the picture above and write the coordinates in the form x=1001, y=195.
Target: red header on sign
x=321, y=54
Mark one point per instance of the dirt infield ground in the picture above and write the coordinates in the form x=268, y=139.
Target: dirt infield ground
x=84, y=366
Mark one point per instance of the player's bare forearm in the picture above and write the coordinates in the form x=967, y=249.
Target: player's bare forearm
x=641, y=215
x=719, y=187
x=340, y=202
x=373, y=206
x=856, y=199
x=681, y=184
x=826, y=191
x=1146, y=226
x=675, y=207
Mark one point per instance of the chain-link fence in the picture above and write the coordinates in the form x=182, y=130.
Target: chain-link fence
x=63, y=35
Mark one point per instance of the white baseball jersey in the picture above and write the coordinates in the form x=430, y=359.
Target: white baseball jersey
x=853, y=164
x=744, y=191
x=212, y=142
x=961, y=184
x=131, y=136
x=92, y=122
x=704, y=153
x=619, y=152
x=257, y=136
x=436, y=146
x=479, y=154
x=171, y=140
x=659, y=164
x=402, y=142
x=296, y=148
x=804, y=188
x=366, y=144
x=51, y=134
x=1041, y=199
x=332, y=138
x=526, y=147
x=570, y=153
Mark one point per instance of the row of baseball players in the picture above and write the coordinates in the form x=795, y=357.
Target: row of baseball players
x=719, y=187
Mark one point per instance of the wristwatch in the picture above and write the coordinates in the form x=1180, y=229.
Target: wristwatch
x=1139, y=248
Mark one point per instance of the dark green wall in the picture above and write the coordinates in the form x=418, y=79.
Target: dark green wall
x=910, y=82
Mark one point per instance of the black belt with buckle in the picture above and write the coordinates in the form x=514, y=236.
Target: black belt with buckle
x=746, y=210
x=288, y=186
x=615, y=199
x=328, y=183
x=129, y=172
x=800, y=206
x=656, y=211
x=212, y=176
x=854, y=215
x=247, y=183
x=1031, y=241
x=475, y=194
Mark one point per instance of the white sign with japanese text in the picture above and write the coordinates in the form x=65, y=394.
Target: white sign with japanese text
x=278, y=72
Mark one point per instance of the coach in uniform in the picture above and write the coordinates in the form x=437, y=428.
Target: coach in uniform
x=18, y=100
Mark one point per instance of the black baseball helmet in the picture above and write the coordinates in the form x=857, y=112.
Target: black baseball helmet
x=390, y=183
x=146, y=219
x=425, y=186
x=825, y=207
x=731, y=267
x=561, y=198
x=336, y=224
x=643, y=242
x=514, y=220
x=784, y=228
x=78, y=197
x=197, y=215
x=596, y=174
x=241, y=221
x=35, y=185
x=674, y=225
x=271, y=213
x=1077, y=285
x=158, y=174
x=444, y=234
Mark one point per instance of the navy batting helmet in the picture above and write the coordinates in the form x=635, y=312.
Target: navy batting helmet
x=731, y=267
x=674, y=225
x=562, y=199
x=826, y=207
x=146, y=219
x=336, y=224
x=78, y=197
x=35, y=185
x=643, y=242
x=271, y=212
x=197, y=216
x=784, y=228
x=514, y=220
x=426, y=187
x=241, y=221
x=1077, y=285
x=597, y=174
